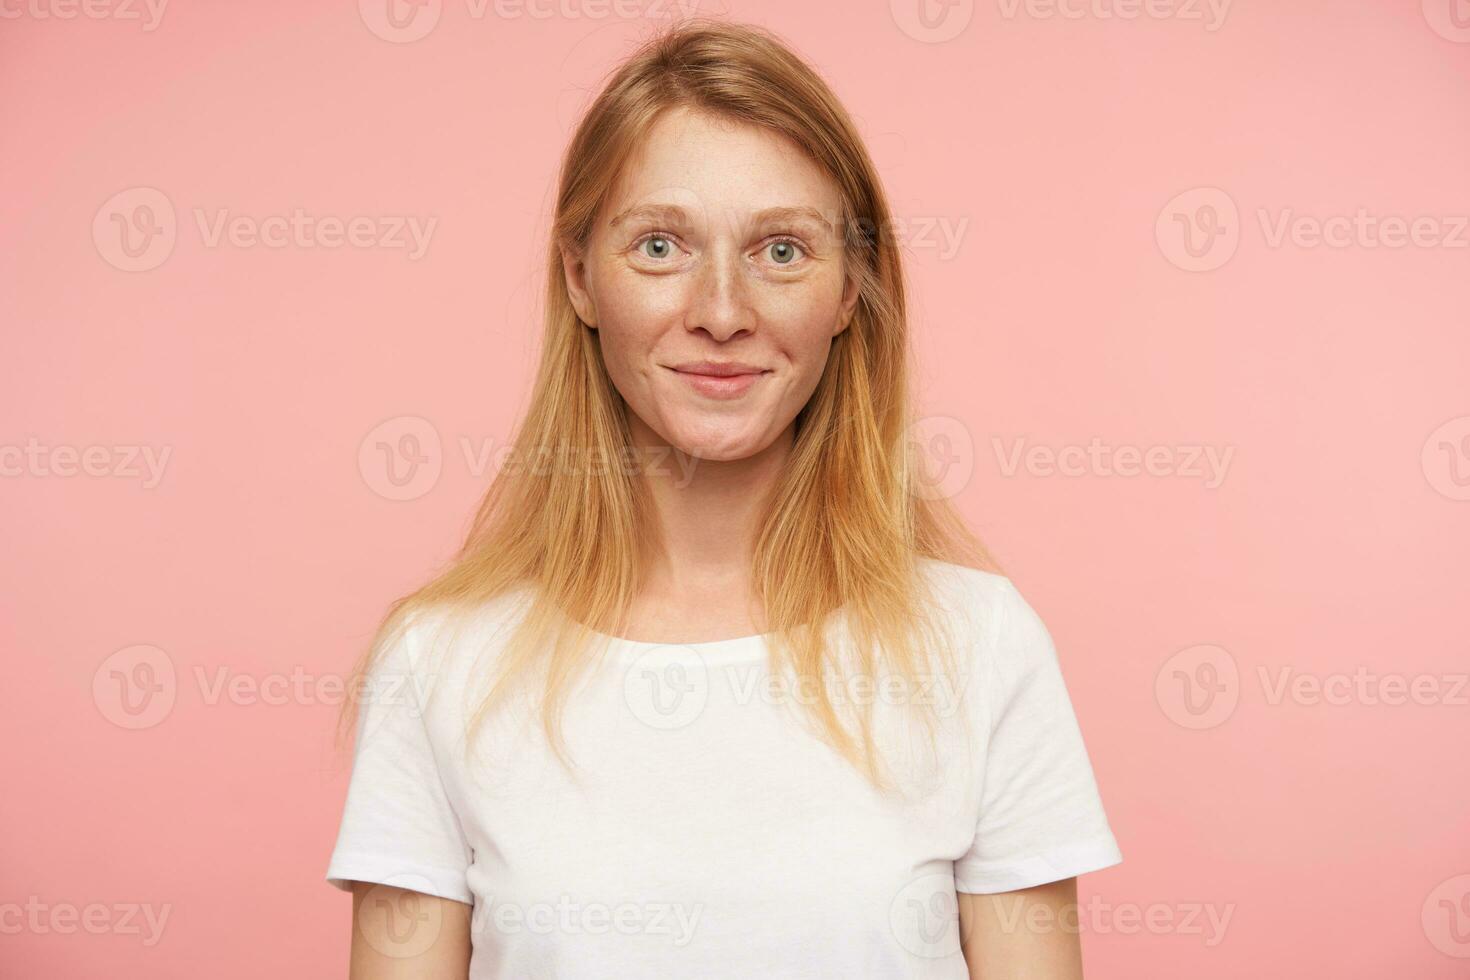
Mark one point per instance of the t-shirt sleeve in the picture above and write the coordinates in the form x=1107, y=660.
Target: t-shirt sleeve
x=1041, y=817
x=398, y=826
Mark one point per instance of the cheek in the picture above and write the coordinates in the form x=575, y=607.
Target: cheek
x=804, y=317
x=641, y=301
x=630, y=317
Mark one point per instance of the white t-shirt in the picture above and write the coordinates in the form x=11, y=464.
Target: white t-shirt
x=707, y=833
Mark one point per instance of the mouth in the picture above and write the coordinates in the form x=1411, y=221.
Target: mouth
x=728, y=379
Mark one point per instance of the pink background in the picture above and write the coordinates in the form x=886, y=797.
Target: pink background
x=1332, y=835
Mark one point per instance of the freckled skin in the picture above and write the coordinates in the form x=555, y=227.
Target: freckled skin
x=717, y=282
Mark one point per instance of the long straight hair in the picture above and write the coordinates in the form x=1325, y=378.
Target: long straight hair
x=850, y=515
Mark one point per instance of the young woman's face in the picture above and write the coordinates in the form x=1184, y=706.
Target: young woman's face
x=717, y=252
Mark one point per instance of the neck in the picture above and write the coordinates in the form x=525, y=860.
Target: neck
x=709, y=515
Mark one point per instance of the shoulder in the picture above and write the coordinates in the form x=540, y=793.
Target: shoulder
x=964, y=581
x=439, y=638
x=973, y=593
x=1000, y=624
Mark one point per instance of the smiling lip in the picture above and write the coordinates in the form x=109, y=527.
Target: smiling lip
x=720, y=379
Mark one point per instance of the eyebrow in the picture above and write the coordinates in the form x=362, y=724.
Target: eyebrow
x=673, y=212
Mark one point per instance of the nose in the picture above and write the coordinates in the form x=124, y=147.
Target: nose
x=721, y=301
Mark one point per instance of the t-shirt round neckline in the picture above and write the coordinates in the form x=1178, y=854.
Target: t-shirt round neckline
x=735, y=649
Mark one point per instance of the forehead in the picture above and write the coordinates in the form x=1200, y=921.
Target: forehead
x=719, y=167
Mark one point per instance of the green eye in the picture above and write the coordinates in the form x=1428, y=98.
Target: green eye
x=784, y=252
x=662, y=247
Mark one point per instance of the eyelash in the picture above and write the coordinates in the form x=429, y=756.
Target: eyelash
x=806, y=252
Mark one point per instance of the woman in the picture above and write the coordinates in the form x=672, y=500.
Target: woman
x=714, y=687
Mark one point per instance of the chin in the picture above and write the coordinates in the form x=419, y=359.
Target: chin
x=720, y=455
x=718, y=445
